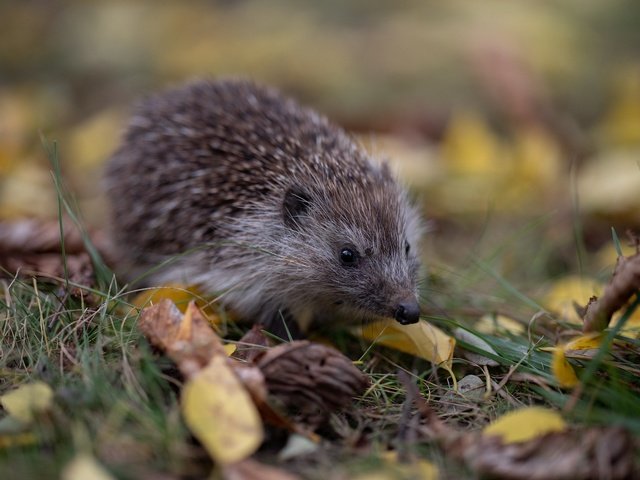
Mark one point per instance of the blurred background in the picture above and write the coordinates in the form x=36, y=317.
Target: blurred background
x=516, y=124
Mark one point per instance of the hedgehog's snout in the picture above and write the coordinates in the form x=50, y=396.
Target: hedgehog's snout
x=407, y=311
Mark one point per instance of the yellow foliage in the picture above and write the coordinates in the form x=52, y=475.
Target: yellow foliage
x=420, y=339
x=492, y=324
x=562, y=369
x=565, y=291
x=220, y=413
x=93, y=140
x=27, y=401
x=584, y=346
x=470, y=147
x=621, y=124
x=525, y=424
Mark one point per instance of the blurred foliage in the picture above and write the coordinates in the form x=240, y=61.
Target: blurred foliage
x=487, y=109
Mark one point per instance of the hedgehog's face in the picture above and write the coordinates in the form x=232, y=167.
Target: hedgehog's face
x=360, y=255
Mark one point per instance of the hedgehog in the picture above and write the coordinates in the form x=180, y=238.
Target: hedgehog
x=238, y=189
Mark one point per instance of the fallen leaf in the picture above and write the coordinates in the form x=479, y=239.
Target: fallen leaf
x=584, y=346
x=621, y=124
x=420, y=339
x=492, y=324
x=85, y=467
x=220, y=413
x=413, y=468
x=562, y=369
x=179, y=294
x=28, y=400
x=525, y=424
x=566, y=292
x=188, y=339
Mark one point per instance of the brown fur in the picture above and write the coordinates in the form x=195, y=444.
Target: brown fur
x=246, y=193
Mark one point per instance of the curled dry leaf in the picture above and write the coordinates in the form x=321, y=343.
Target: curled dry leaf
x=624, y=282
x=310, y=377
x=33, y=248
x=188, y=339
x=252, y=344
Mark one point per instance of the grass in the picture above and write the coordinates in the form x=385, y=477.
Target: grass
x=117, y=399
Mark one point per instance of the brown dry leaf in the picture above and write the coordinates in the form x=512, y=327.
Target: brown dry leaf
x=33, y=248
x=314, y=379
x=252, y=344
x=188, y=339
x=179, y=294
x=220, y=412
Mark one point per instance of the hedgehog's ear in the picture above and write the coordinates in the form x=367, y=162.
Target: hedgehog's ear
x=295, y=206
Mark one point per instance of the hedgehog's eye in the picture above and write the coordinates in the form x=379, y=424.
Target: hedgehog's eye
x=407, y=248
x=349, y=257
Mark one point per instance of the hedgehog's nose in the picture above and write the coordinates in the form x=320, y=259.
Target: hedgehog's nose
x=407, y=311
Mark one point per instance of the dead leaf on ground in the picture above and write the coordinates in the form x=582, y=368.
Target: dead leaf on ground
x=551, y=452
x=34, y=248
x=420, y=339
x=188, y=339
x=27, y=401
x=220, y=413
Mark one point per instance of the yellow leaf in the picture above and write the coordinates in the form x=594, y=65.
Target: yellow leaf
x=631, y=329
x=229, y=348
x=470, y=147
x=584, y=345
x=27, y=401
x=418, y=468
x=525, y=424
x=621, y=125
x=420, y=339
x=85, y=467
x=562, y=369
x=566, y=291
x=220, y=413
x=492, y=324
x=94, y=139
